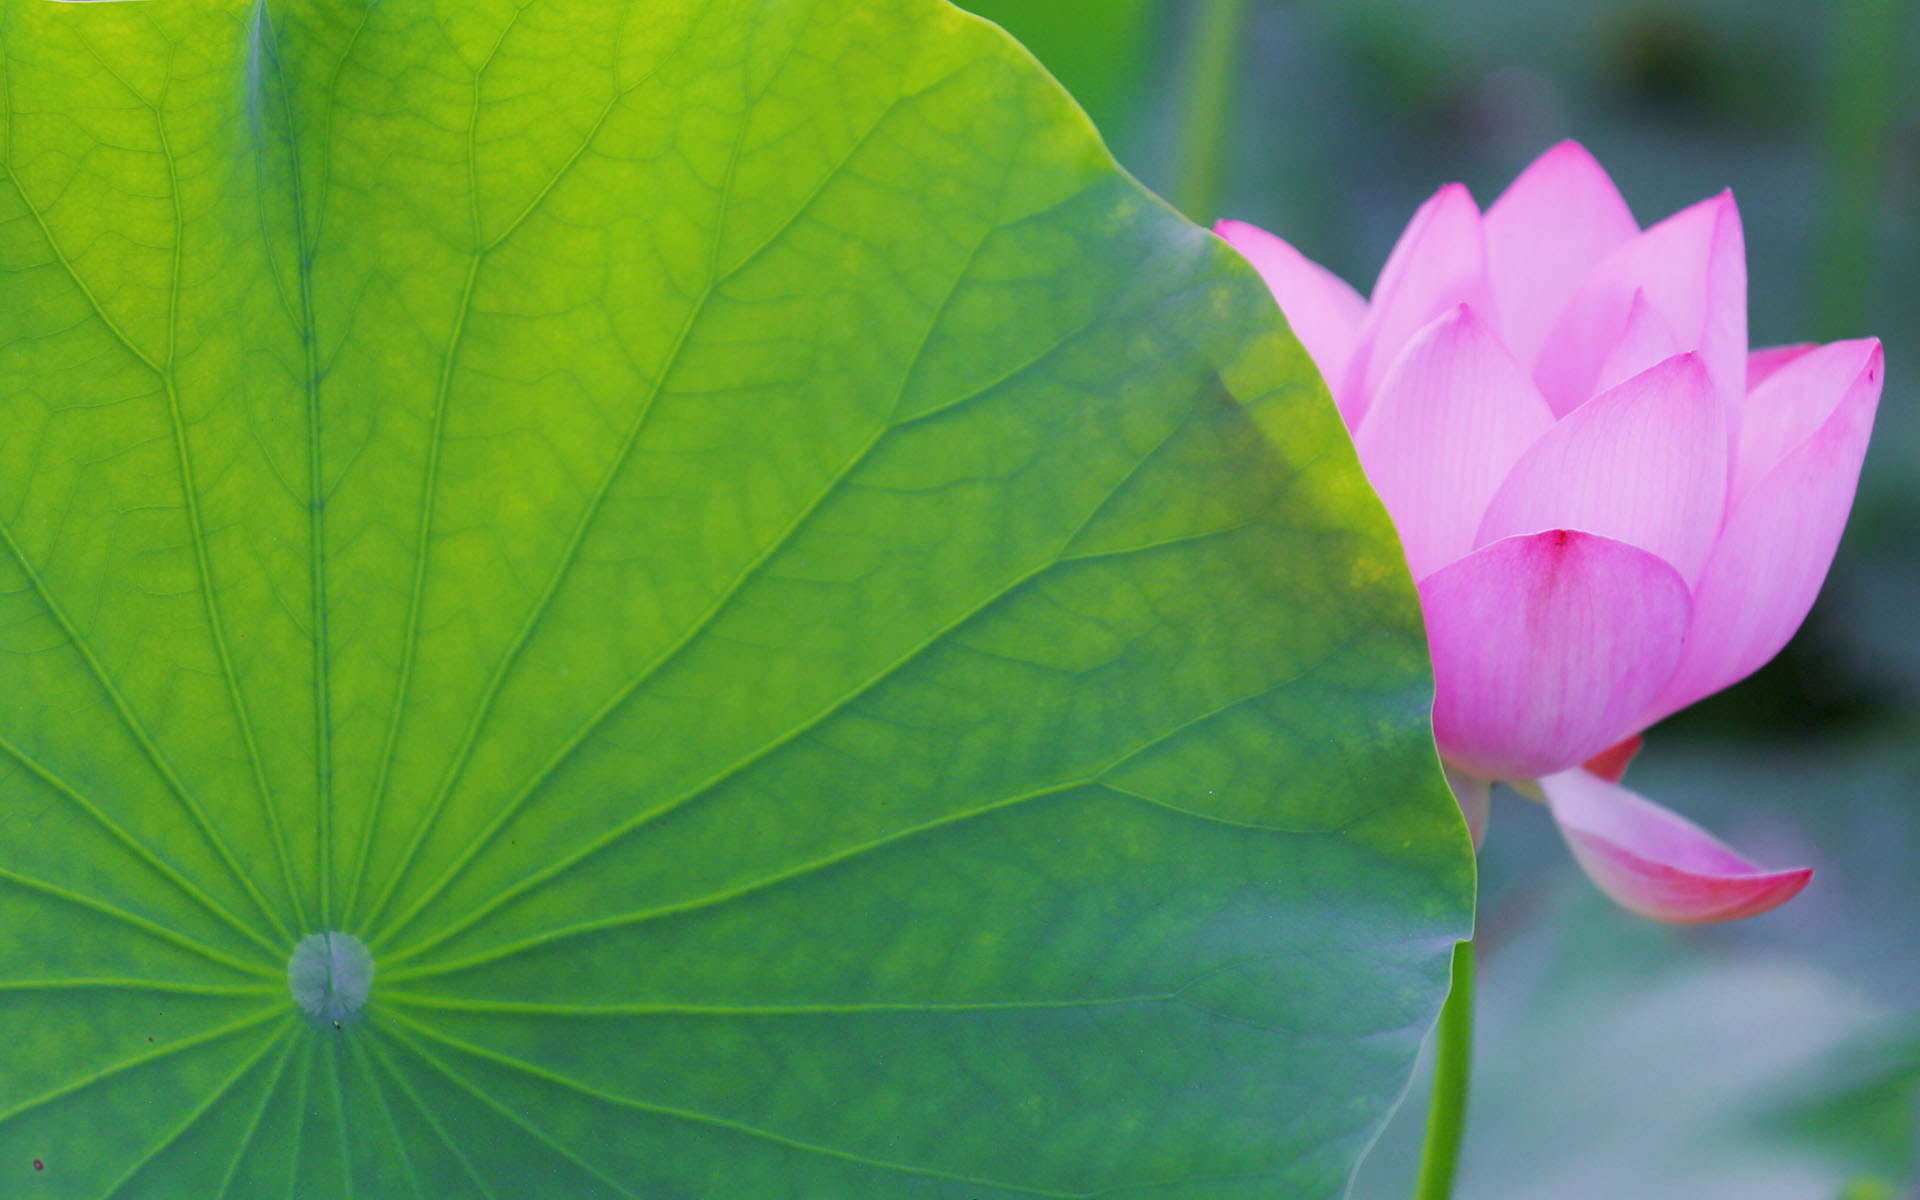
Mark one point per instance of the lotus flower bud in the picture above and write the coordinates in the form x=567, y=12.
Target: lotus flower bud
x=1610, y=506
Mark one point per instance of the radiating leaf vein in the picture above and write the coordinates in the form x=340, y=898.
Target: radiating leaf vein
x=151, y=928
x=194, y=1113
x=138, y=848
x=168, y=1051
x=725, y=1123
x=267, y=1095
x=512, y=1115
x=838, y=704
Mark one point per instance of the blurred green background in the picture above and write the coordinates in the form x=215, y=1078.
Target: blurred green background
x=1775, y=1058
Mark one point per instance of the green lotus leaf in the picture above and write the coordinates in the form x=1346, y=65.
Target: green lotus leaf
x=825, y=643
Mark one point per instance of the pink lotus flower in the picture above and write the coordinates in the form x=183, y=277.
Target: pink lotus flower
x=1611, y=508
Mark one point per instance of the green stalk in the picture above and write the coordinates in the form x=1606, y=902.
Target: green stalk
x=1453, y=1068
x=1865, y=67
x=1210, y=76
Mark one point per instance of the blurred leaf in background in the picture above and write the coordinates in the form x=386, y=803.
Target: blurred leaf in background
x=1773, y=1059
x=1625, y=1059
x=1097, y=48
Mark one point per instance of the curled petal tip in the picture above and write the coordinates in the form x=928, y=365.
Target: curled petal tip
x=1570, y=154
x=1545, y=233
x=1657, y=863
x=1439, y=260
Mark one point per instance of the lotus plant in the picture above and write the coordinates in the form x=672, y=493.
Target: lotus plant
x=1611, y=507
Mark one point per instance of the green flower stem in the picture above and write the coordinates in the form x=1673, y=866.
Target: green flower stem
x=1209, y=77
x=1453, y=1068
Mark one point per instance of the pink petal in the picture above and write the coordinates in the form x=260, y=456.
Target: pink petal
x=1692, y=269
x=1645, y=464
x=1324, y=312
x=1453, y=416
x=1439, y=261
x=1762, y=363
x=1646, y=341
x=1794, y=401
x=1658, y=863
x=1783, y=529
x=1546, y=648
x=1550, y=227
x=1475, y=798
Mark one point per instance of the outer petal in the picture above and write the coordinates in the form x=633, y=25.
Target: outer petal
x=1762, y=363
x=1323, y=310
x=1645, y=464
x=1453, y=416
x=1546, y=648
x=1657, y=863
x=1439, y=261
x=1784, y=526
x=1551, y=226
x=1692, y=269
x=1785, y=411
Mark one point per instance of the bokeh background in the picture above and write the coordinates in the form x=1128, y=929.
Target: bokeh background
x=1774, y=1058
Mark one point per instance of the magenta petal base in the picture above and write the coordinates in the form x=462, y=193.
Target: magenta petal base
x=1657, y=863
x=1611, y=764
x=1546, y=647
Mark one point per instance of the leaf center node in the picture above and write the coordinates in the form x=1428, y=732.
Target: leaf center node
x=330, y=975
